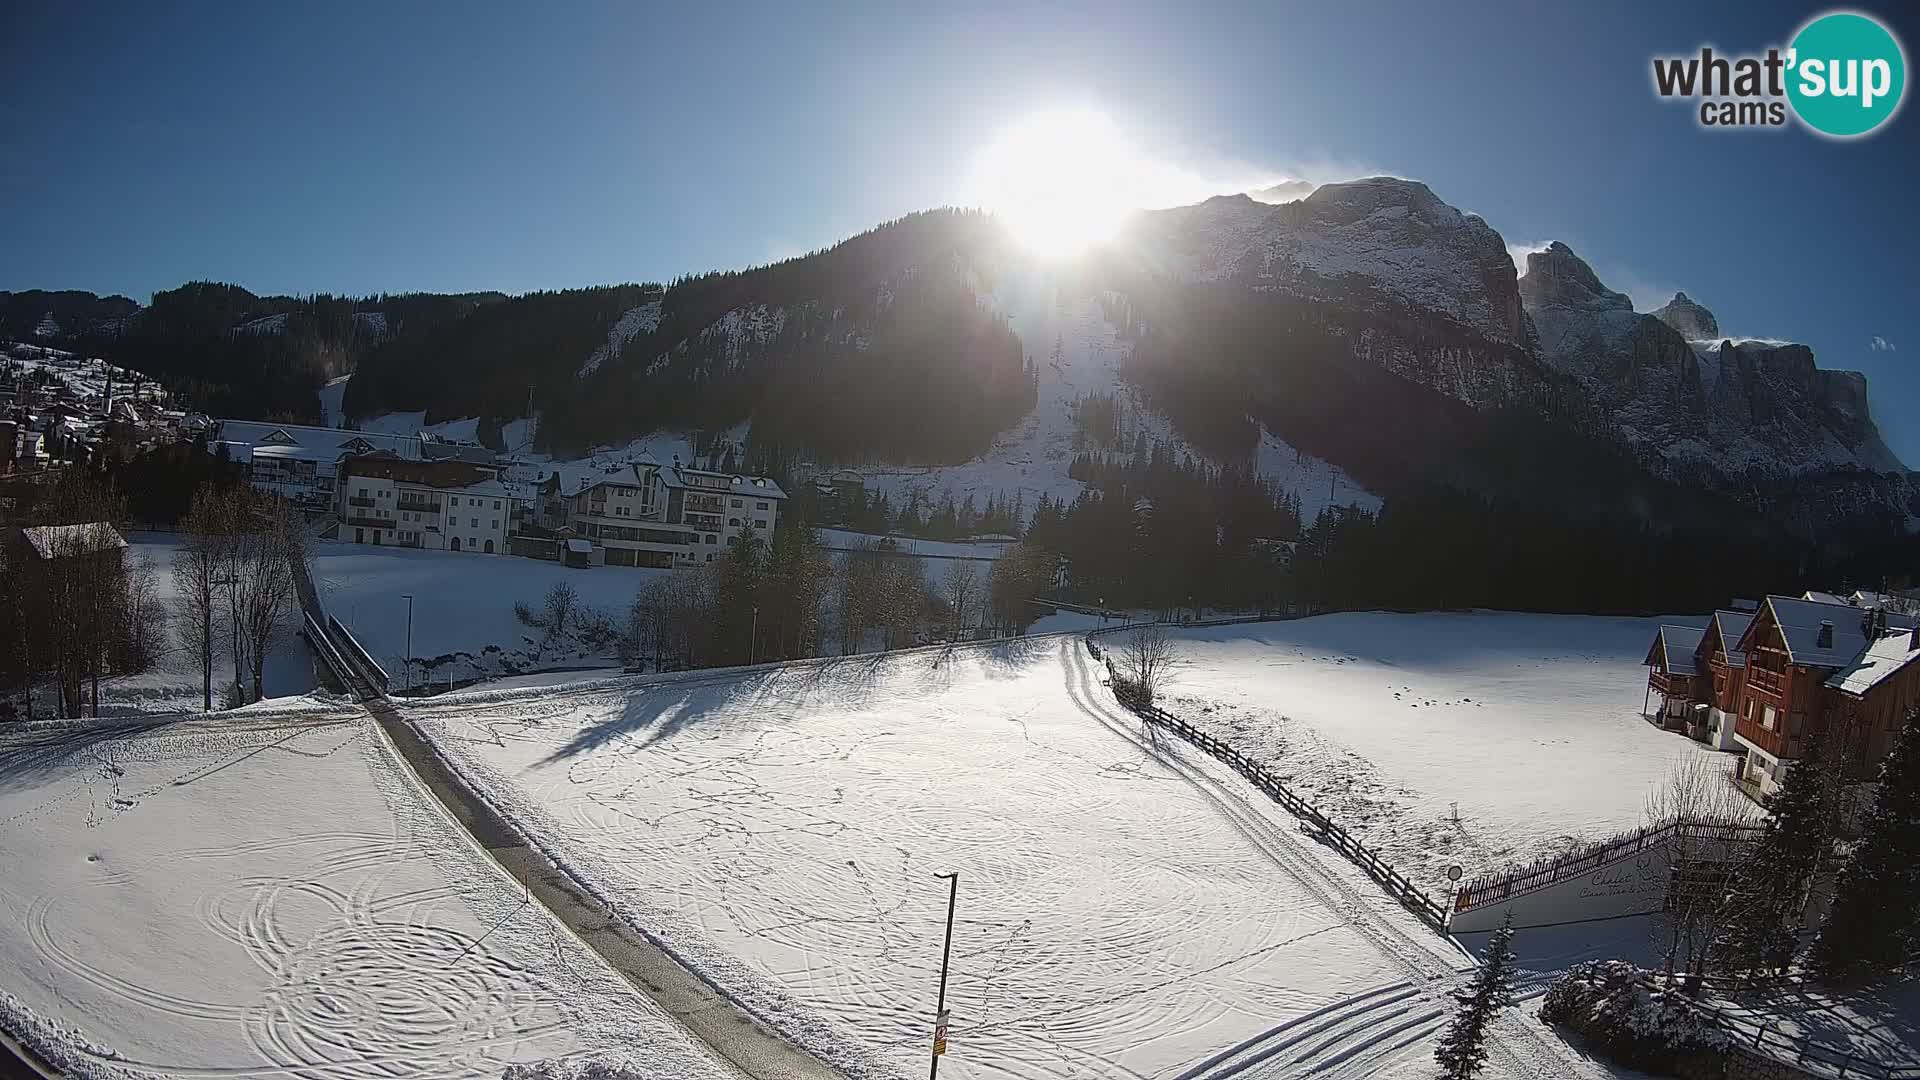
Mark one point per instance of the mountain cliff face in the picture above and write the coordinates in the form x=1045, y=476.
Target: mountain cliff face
x=1368, y=333
x=1739, y=415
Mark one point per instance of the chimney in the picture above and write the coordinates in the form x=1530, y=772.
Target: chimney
x=1825, y=640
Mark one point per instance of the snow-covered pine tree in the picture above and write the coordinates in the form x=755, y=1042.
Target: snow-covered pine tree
x=1874, y=924
x=1770, y=888
x=1463, y=1049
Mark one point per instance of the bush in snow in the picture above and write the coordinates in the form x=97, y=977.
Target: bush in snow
x=1624, y=1015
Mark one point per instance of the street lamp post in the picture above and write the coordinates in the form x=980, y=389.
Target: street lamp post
x=753, y=643
x=408, y=597
x=940, y=1010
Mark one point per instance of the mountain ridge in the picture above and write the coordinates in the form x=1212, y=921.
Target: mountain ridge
x=904, y=346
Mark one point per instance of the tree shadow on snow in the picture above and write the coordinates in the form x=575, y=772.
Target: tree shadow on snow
x=32, y=753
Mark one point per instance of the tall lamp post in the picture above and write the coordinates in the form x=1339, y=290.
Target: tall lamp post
x=753, y=642
x=940, y=1014
x=408, y=597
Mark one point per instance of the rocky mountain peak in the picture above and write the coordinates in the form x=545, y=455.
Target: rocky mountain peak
x=1556, y=277
x=1694, y=322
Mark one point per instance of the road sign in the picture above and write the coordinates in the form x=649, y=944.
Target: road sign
x=1455, y=873
x=940, y=1034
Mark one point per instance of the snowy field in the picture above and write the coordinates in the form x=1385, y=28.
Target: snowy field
x=462, y=607
x=1529, y=723
x=275, y=896
x=1122, y=912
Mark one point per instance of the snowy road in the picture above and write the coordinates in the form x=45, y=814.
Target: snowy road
x=1124, y=910
x=274, y=896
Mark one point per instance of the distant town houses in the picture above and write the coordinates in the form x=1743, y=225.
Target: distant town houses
x=57, y=409
x=443, y=504
x=1768, y=678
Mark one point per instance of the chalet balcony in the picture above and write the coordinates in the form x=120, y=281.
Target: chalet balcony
x=1670, y=685
x=359, y=500
x=368, y=521
x=1773, y=683
x=419, y=506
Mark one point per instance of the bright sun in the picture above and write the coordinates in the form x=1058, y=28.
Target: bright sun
x=1061, y=180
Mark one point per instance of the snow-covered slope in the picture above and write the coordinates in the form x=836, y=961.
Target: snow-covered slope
x=277, y=896
x=1124, y=910
x=1380, y=233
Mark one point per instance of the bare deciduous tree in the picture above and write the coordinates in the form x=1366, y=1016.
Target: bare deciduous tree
x=1148, y=658
x=1699, y=796
x=196, y=582
x=961, y=591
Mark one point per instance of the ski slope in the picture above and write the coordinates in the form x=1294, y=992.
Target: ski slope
x=1528, y=726
x=274, y=896
x=1124, y=910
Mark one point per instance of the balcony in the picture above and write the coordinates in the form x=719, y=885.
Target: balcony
x=368, y=521
x=1670, y=685
x=359, y=500
x=1766, y=681
x=419, y=507
x=710, y=523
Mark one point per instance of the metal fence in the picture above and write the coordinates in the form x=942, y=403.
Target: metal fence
x=1810, y=1056
x=1498, y=887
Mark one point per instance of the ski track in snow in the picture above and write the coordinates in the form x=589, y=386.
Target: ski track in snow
x=292, y=931
x=1123, y=912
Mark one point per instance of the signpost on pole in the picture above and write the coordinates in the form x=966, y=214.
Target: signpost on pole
x=940, y=1014
x=1454, y=874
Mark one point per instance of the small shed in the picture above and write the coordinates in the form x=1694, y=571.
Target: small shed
x=579, y=553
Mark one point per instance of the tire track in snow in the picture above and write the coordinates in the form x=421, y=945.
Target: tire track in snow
x=1412, y=954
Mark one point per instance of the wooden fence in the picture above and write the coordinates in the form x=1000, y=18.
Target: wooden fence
x=1324, y=828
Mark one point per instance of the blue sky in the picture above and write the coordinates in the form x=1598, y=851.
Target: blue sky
x=359, y=149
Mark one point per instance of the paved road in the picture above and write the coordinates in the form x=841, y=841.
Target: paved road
x=734, y=1035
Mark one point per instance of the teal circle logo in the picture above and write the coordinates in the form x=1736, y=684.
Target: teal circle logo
x=1846, y=74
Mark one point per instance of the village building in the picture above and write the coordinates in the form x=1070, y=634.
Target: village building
x=647, y=514
x=445, y=505
x=1767, y=683
x=301, y=463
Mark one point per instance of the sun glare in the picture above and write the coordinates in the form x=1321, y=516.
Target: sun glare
x=1061, y=180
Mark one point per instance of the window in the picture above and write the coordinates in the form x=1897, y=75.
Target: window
x=712, y=539
x=1749, y=711
x=709, y=556
x=736, y=504
x=761, y=505
x=473, y=523
x=361, y=492
x=760, y=523
x=496, y=504
x=495, y=525
x=733, y=523
x=1767, y=716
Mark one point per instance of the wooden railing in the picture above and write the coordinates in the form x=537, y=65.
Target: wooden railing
x=1767, y=681
x=1326, y=829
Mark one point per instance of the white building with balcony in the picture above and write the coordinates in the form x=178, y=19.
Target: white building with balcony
x=440, y=505
x=648, y=514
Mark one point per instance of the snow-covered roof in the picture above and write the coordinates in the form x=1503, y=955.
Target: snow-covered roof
x=59, y=541
x=1799, y=621
x=1881, y=659
x=1732, y=626
x=583, y=547
x=679, y=476
x=291, y=453
x=1674, y=647
x=265, y=433
x=1819, y=597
